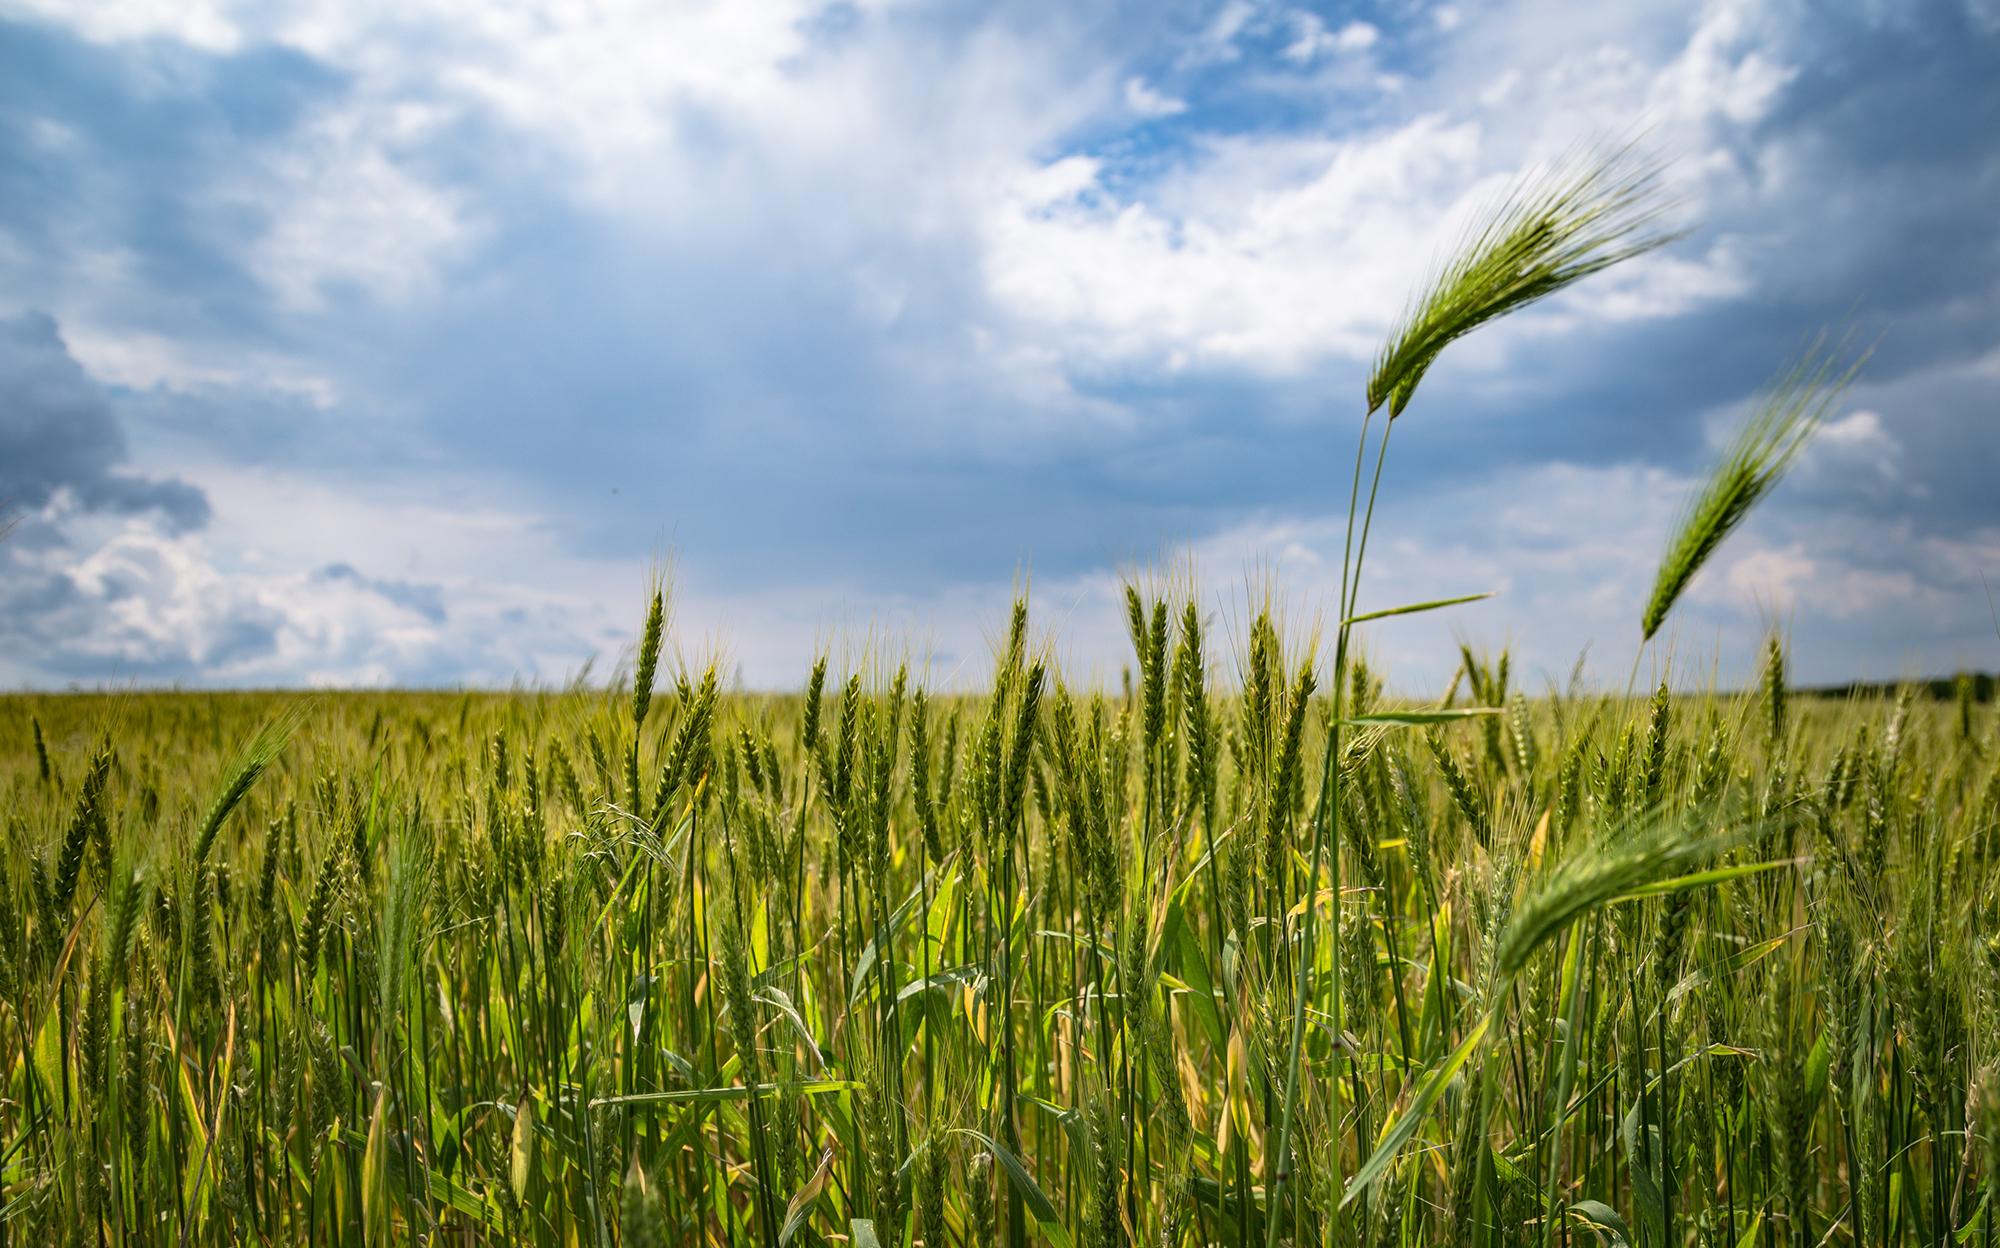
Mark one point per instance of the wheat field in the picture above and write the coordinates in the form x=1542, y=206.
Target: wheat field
x=1256, y=949
x=865, y=965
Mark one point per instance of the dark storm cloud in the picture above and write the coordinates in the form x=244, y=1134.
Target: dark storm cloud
x=59, y=432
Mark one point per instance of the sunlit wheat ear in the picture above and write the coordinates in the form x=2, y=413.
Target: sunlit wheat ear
x=1556, y=226
x=1784, y=422
x=649, y=659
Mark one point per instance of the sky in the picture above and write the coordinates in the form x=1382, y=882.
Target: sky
x=349, y=342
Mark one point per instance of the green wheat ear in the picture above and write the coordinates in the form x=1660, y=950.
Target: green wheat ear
x=1555, y=227
x=1784, y=422
x=260, y=753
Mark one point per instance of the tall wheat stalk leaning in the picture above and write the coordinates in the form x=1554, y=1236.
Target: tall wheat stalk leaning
x=1554, y=228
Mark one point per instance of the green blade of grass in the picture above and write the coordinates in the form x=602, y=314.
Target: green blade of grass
x=1415, y=608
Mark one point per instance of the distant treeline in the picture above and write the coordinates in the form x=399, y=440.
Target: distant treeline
x=1941, y=688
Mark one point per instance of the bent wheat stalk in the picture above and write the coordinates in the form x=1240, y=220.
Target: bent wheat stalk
x=1554, y=229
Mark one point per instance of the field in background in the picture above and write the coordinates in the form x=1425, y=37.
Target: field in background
x=655, y=965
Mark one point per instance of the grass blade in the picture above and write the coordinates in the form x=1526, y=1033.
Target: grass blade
x=1416, y=607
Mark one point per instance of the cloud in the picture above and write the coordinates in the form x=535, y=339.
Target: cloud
x=1217, y=41
x=152, y=607
x=1310, y=256
x=348, y=212
x=425, y=600
x=1859, y=431
x=1144, y=101
x=1314, y=40
x=1856, y=451
x=245, y=602
x=1273, y=250
x=204, y=24
x=61, y=442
